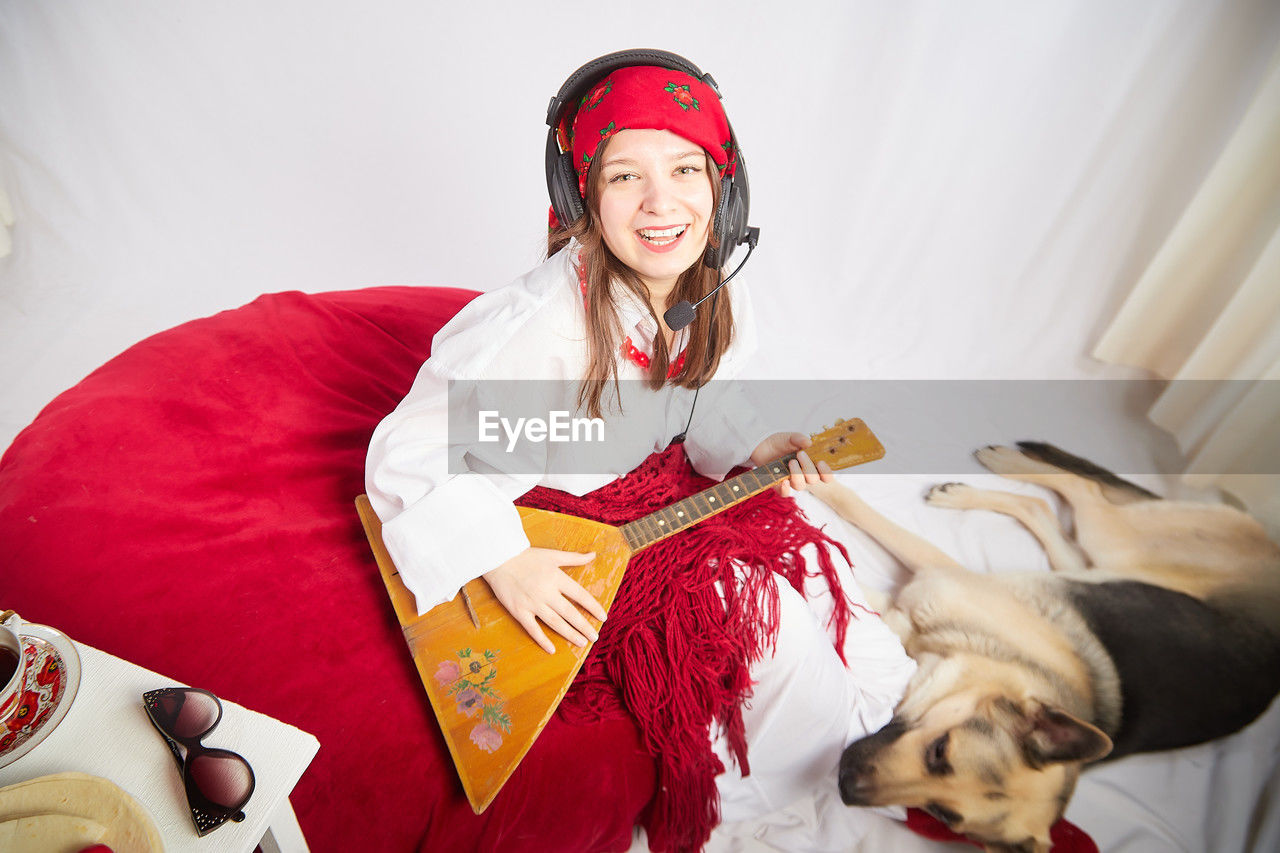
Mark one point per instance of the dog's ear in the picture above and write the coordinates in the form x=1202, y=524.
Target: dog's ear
x=1053, y=735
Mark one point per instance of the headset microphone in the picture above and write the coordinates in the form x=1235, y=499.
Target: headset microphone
x=682, y=313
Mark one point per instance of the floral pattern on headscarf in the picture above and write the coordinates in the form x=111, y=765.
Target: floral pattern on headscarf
x=646, y=97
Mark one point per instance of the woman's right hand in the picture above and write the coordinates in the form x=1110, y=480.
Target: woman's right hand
x=532, y=586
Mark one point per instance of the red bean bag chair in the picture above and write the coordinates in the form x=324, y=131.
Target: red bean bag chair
x=189, y=507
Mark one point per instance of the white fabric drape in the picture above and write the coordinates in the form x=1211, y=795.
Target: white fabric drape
x=945, y=190
x=1208, y=308
x=6, y=220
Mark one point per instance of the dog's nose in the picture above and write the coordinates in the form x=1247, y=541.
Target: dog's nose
x=856, y=778
x=856, y=785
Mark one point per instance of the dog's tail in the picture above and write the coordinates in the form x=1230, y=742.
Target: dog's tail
x=1116, y=490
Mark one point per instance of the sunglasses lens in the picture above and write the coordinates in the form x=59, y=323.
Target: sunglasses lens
x=223, y=778
x=187, y=713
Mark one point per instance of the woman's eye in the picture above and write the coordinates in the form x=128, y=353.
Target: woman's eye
x=625, y=176
x=688, y=170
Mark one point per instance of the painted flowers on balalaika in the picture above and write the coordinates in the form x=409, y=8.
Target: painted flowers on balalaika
x=470, y=681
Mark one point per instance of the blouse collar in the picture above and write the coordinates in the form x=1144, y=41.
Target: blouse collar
x=640, y=330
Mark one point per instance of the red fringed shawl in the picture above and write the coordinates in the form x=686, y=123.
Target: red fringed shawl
x=675, y=651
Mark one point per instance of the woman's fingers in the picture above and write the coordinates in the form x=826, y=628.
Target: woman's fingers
x=567, y=620
x=803, y=472
x=571, y=589
x=826, y=482
x=530, y=624
x=576, y=620
x=797, y=476
x=563, y=616
x=574, y=591
x=560, y=625
x=549, y=598
x=577, y=592
x=779, y=444
x=534, y=588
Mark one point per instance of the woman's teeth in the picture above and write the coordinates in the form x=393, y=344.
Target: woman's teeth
x=662, y=236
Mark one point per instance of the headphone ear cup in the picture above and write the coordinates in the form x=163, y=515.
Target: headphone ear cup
x=730, y=222
x=565, y=200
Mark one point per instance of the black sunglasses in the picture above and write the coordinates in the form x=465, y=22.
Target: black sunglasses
x=218, y=782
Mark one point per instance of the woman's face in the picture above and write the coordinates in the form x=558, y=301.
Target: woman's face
x=655, y=205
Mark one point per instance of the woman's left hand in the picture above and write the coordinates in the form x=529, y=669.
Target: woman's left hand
x=803, y=472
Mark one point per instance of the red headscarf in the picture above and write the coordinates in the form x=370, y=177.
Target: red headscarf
x=649, y=98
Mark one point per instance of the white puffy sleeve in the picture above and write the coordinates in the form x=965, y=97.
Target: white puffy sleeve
x=726, y=427
x=446, y=500
x=444, y=521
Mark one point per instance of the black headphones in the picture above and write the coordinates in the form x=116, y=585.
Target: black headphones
x=730, y=224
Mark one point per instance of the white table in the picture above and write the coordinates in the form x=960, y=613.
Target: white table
x=107, y=733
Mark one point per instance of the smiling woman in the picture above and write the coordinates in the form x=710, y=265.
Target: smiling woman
x=654, y=128
x=707, y=628
x=655, y=207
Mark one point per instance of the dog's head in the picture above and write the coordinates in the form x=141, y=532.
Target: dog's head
x=996, y=769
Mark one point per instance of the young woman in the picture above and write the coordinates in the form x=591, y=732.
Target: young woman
x=592, y=313
x=651, y=148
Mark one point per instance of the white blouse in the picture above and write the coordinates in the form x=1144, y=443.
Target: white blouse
x=442, y=471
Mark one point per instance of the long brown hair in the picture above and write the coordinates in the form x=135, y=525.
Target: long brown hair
x=708, y=337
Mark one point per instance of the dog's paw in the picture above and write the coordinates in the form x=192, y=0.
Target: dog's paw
x=948, y=495
x=1003, y=460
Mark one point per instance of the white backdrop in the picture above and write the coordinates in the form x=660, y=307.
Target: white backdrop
x=945, y=189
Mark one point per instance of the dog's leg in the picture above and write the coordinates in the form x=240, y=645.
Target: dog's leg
x=1034, y=514
x=915, y=553
x=1189, y=547
x=1013, y=463
x=1104, y=529
x=1115, y=489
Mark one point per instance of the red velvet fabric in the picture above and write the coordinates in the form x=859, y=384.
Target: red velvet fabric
x=189, y=506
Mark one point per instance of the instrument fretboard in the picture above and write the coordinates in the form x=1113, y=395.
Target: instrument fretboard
x=669, y=520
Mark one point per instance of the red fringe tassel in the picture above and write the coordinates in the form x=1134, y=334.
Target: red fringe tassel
x=674, y=653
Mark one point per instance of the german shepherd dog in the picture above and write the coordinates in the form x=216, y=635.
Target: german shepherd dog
x=1159, y=627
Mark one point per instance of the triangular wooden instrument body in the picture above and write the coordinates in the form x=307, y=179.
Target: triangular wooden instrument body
x=491, y=687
